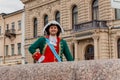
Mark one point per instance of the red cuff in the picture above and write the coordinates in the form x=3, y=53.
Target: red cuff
x=36, y=56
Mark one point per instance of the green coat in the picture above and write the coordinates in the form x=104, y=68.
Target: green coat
x=41, y=45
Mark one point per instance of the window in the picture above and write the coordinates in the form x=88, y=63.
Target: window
x=19, y=25
x=89, y=53
x=13, y=27
x=118, y=47
x=45, y=20
x=19, y=48
x=95, y=11
x=117, y=13
x=0, y=30
x=12, y=49
x=57, y=16
x=35, y=27
x=7, y=27
x=6, y=50
x=74, y=16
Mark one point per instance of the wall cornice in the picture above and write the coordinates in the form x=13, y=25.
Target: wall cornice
x=37, y=4
x=26, y=1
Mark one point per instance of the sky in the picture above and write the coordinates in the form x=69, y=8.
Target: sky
x=8, y=6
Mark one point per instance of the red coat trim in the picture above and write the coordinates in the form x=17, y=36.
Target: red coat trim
x=49, y=56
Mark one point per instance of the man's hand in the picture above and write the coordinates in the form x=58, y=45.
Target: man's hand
x=41, y=59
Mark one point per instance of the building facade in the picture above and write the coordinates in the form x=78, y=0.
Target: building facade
x=11, y=42
x=92, y=27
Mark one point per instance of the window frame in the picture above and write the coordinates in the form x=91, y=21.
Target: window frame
x=35, y=27
x=12, y=49
x=19, y=25
x=117, y=15
x=0, y=30
x=45, y=19
x=7, y=26
x=88, y=55
x=95, y=10
x=19, y=48
x=6, y=50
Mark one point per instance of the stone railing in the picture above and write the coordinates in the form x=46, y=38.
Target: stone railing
x=82, y=70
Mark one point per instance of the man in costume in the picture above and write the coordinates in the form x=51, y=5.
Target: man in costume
x=52, y=47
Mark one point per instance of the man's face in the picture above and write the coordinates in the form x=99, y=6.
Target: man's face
x=53, y=30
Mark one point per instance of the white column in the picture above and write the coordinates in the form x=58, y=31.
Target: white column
x=95, y=38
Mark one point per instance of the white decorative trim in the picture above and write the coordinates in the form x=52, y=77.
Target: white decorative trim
x=53, y=22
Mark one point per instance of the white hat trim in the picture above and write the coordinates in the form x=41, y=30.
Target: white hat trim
x=53, y=22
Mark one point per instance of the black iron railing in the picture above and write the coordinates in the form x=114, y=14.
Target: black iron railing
x=10, y=32
x=90, y=25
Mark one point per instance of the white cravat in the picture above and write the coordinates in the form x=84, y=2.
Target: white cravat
x=53, y=40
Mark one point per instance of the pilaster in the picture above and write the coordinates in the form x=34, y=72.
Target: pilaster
x=95, y=38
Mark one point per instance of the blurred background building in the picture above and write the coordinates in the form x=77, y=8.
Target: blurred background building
x=11, y=43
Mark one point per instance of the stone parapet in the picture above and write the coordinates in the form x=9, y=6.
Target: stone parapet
x=81, y=70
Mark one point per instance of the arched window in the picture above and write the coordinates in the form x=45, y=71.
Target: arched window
x=74, y=16
x=57, y=16
x=118, y=47
x=45, y=20
x=95, y=11
x=89, y=52
x=35, y=27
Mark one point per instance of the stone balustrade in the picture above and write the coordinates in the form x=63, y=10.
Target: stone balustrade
x=81, y=70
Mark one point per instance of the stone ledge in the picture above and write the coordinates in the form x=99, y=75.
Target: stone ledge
x=81, y=70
